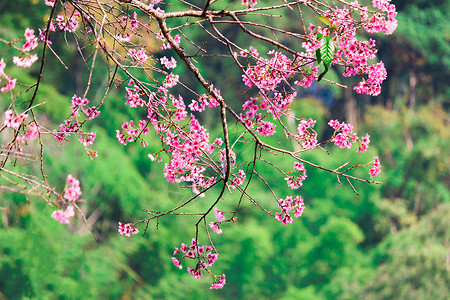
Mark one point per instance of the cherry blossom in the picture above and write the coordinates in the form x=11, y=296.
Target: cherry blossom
x=63, y=216
x=127, y=229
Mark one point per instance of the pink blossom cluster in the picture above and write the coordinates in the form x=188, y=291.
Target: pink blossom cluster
x=171, y=80
x=268, y=73
x=61, y=23
x=70, y=25
x=295, y=182
x=186, y=145
x=31, y=42
x=203, y=101
x=344, y=136
x=87, y=139
x=131, y=21
x=202, y=254
x=250, y=3
x=377, y=22
x=220, y=283
x=63, y=216
x=50, y=3
x=165, y=44
x=186, y=149
x=238, y=179
x=133, y=96
x=72, y=124
x=169, y=64
x=132, y=132
x=12, y=120
x=351, y=52
x=376, y=169
x=127, y=229
x=220, y=218
x=140, y=56
x=306, y=135
x=73, y=190
x=288, y=205
x=266, y=128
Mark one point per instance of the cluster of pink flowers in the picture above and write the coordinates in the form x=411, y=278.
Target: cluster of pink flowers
x=169, y=64
x=63, y=216
x=203, y=101
x=220, y=283
x=61, y=23
x=268, y=73
x=10, y=84
x=202, y=254
x=70, y=25
x=140, y=56
x=295, y=182
x=306, y=134
x=73, y=125
x=133, y=96
x=127, y=229
x=238, y=179
x=165, y=44
x=73, y=190
x=250, y=4
x=14, y=121
x=72, y=193
x=354, y=54
x=87, y=139
x=220, y=218
x=376, y=169
x=31, y=42
x=345, y=136
x=288, y=205
x=377, y=22
x=133, y=132
x=185, y=155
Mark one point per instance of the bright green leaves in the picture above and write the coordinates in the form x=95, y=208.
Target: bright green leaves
x=325, y=53
x=325, y=20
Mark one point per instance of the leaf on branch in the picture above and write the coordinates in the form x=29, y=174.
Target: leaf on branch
x=326, y=53
x=324, y=19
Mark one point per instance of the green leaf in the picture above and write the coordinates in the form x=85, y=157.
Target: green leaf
x=327, y=50
x=324, y=19
x=318, y=56
x=323, y=73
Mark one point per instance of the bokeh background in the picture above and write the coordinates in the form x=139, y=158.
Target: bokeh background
x=390, y=242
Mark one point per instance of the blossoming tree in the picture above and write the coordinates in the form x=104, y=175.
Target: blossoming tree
x=192, y=156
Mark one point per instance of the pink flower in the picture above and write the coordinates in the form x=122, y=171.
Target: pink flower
x=63, y=217
x=219, y=215
x=376, y=169
x=10, y=85
x=220, y=284
x=73, y=190
x=364, y=143
x=127, y=229
x=169, y=64
x=25, y=62
x=50, y=2
x=29, y=34
x=176, y=262
x=215, y=227
x=32, y=133
x=2, y=67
